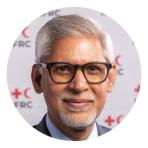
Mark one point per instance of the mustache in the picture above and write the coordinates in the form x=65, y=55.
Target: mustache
x=84, y=97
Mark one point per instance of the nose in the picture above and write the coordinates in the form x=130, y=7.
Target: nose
x=79, y=83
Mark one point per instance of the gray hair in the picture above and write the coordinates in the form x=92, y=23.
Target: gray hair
x=71, y=26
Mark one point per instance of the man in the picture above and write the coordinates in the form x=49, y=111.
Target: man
x=74, y=71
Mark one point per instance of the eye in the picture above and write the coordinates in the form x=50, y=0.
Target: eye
x=62, y=69
x=93, y=69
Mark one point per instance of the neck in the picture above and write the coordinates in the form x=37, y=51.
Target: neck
x=78, y=135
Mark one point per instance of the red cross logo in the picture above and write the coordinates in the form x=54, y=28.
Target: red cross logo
x=16, y=93
x=137, y=89
x=24, y=32
x=109, y=120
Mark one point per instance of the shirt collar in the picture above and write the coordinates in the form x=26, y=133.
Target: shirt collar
x=56, y=133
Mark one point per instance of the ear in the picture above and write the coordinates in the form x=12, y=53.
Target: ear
x=111, y=78
x=36, y=78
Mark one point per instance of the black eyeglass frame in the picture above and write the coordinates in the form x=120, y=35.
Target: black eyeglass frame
x=76, y=66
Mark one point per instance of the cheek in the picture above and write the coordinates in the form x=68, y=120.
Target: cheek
x=100, y=92
x=52, y=93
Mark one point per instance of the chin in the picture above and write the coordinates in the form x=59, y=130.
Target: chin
x=78, y=121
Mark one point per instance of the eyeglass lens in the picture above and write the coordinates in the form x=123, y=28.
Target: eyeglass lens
x=63, y=73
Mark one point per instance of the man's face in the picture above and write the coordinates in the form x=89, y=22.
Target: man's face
x=77, y=103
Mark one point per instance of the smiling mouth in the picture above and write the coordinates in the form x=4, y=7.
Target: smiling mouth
x=77, y=103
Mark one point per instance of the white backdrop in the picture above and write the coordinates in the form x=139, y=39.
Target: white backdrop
x=32, y=106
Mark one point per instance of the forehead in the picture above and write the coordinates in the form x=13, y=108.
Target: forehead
x=76, y=50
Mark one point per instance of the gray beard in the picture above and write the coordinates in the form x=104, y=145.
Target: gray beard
x=80, y=124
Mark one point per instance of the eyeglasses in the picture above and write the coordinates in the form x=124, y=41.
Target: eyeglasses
x=62, y=72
